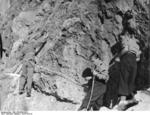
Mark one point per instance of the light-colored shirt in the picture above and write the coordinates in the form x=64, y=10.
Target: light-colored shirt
x=101, y=69
x=130, y=45
x=29, y=52
x=134, y=47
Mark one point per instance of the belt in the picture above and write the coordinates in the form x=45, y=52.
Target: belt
x=129, y=52
x=132, y=51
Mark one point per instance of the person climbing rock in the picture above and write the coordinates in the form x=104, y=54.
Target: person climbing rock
x=29, y=61
x=94, y=97
x=128, y=58
x=27, y=69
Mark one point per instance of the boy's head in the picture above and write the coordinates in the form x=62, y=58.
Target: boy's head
x=95, y=59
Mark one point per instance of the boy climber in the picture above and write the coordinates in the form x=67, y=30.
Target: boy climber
x=94, y=97
x=28, y=54
x=27, y=69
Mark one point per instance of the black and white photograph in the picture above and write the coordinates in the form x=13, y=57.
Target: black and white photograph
x=74, y=55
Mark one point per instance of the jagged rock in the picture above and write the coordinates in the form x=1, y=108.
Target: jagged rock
x=125, y=5
x=4, y=5
x=73, y=30
x=62, y=85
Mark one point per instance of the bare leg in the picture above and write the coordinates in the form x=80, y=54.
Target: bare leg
x=23, y=78
x=29, y=79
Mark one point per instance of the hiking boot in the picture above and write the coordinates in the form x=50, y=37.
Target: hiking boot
x=122, y=106
x=133, y=101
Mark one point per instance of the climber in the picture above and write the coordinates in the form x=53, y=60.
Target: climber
x=100, y=77
x=29, y=61
x=128, y=58
x=27, y=69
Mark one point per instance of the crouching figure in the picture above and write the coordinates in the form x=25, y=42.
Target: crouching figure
x=99, y=78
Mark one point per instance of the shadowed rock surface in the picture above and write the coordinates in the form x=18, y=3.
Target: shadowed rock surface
x=73, y=30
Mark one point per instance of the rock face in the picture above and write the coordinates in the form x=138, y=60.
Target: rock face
x=73, y=30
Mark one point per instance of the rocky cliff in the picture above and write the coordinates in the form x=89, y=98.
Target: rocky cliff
x=73, y=30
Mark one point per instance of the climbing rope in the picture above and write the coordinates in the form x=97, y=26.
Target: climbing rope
x=93, y=82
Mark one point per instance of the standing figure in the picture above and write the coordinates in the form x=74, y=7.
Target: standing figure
x=27, y=69
x=28, y=54
x=128, y=58
x=94, y=97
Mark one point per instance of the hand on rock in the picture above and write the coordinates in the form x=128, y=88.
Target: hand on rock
x=94, y=72
x=88, y=78
x=117, y=59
